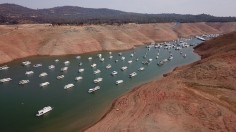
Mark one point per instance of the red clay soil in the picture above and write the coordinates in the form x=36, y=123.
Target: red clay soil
x=18, y=41
x=193, y=98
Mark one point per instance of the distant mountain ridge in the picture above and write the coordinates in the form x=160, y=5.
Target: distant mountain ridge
x=13, y=14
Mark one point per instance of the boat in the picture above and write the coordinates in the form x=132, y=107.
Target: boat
x=90, y=58
x=43, y=74
x=131, y=55
x=114, y=73
x=69, y=86
x=29, y=72
x=116, y=60
x=102, y=59
x=22, y=82
x=93, y=65
x=122, y=58
x=44, y=84
x=110, y=53
x=64, y=69
x=81, y=70
x=5, y=80
x=150, y=60
x=184, y=55
x=97, y=71
x=170, y=58
x=141, y=69
x=124, y=68
x=98, y=80
x=200, y=38
x=26, y=63
x=60, y=77
x=44, y=111
x=91, y=90
x=56, y=60
x=67, y=62
x=78, y=57
x=120, y=54
x=80, y=64
x=119, y=82
x=157, y=57
x=108, y=66
x=51, y=67
x=137, y=59
x=130, y=61
x=78, y=78
x=133, y=74
x=5, y=67
x=37, y=65
x=110, y=57
x=99, y=55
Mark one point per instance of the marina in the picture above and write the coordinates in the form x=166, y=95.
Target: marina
x=140, y=64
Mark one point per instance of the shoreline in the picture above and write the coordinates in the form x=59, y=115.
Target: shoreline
x=42, y=40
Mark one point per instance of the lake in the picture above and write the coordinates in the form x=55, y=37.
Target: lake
x=75, y=108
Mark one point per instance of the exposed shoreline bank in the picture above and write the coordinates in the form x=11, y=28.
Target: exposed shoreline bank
x=20, y=41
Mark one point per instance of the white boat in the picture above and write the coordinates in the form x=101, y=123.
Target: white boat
x=150, y=60
x=67, y=62
x=78, y=78
x=69, y=86
x=93, y=65
x=64, y=69
x=170, y=58
x=122, y=58
x=90, y=58
x=110, y=57
x=91, y=90
x=133, y=74
x=29, y=72
x=98, y=80
x=132, y=55
x=37, y=65
x=102, y=59
x=56, y=60
x=26, y=63
x=116, y=60
x=81, y=70
x=130, y=61
x=99, y=55
x=4, y=67
x=114, y=73
x=78, y=57
x=184, y=55
x=108, y=66
x=22, y=82
x=200, y=38
x=44, y=111
x=43, y=74
x=141, y=69
x=44, y=84
x=120, y=54
x=5, y=80
x=80, y=64
x=157, y=57
x=124, y=68
x=110, y=53
x=60, y=76
x=97, y=71
x=119, y=82
x=51, y=67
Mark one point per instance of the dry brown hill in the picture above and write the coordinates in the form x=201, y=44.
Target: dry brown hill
x=18, y=41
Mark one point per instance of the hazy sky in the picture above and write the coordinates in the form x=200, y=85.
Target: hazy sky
x=213, y=7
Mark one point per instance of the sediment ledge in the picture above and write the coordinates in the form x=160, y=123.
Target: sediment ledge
x=196, y=97
x=19, y=41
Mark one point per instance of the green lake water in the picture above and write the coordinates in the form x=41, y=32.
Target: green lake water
x=75, y=109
